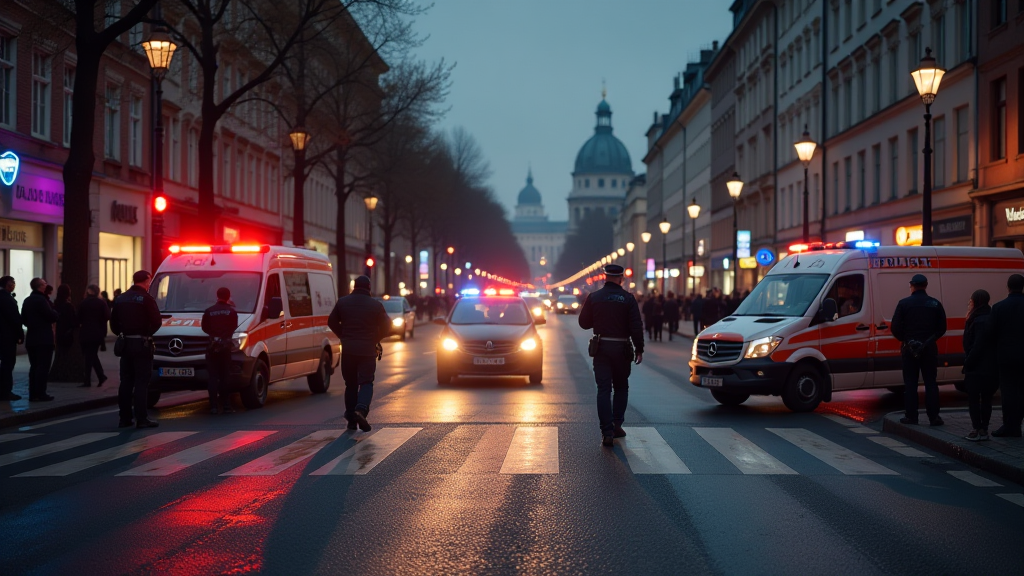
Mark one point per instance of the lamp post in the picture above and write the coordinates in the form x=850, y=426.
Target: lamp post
x=664, y=226
x=735, y=186
x=927, y=78
x=805, y=152
x=300, y=138
x=451, y=251
x=694, y=211
x=371, y=205
x=629, y=248
x=159, y=51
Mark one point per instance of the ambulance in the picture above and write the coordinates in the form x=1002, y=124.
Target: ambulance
x=820, y=321
x=283, y=296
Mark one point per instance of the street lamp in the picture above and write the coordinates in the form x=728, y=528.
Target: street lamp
x=371, y=204
x=646, y=237
x=735, y=186
x=927, y=78
x=300, y=138
x=805, y=152
x=694, y=211
x=664, y=226
x=630, y=246
x=159, y=51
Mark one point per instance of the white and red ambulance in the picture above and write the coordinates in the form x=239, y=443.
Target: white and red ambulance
x=819, y=321
x=283, y=296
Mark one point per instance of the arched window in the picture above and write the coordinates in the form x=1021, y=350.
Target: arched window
x=586, y=182
x=615, y=183
x=600, y=182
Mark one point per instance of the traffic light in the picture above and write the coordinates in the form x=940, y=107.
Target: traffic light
x=370, y=262
x=160, y=205
x=629, y=272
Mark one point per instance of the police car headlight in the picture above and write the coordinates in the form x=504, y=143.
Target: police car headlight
x=575, y=304
x=240, y=339
x=528, y=344
x=537, y=311
x=560, y=305
x=547, y=302
x=449, y=344
x=397, y=322
x=762, y=347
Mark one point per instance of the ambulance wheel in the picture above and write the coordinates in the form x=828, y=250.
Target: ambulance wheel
x=729, y=398
x=255, y=394
x=152, y=397
x=320, y=380
x=804, y=389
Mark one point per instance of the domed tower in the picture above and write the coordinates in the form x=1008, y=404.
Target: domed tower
x=540, y=239
x=602, y=173
x=529, y=207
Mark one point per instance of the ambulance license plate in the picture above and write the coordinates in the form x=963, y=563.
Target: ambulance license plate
x=177, y=372
x=488, y=361
x=709, y=382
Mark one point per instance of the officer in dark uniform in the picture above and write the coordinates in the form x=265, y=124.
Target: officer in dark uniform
x=614, y=316
x=136, y=317
x=918, y=322
x=220, y=321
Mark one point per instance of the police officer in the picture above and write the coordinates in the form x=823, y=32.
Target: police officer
x=135, y=317
x=918, y=322
x=614, y=315
x=220, y=321
x=360, y=322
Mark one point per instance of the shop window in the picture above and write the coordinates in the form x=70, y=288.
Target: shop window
x=299, y=301
x=41, y=95
x=848, y=292
x=7, y=76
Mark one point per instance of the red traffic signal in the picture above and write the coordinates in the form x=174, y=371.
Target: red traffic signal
x=629, y=272
x=160, y=204
x=370, y=262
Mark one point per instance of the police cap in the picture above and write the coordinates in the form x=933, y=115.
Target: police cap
x=614, y=270
x=919, y=280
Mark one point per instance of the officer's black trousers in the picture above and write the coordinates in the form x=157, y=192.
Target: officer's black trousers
x=40, y=358
x=8, y=357
x=218, y=364
x=927, y=365
x=611, y=371
x=358, y=372
x=136, y=370
x=1011, y=391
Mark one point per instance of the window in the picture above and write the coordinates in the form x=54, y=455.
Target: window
x=862, y=15
x=69, y=92
x=894, y=78
x=834, y=31
x=999, y=119
x=600, y=182
x=7, y=76
x=193, y=158
x=135, y=131
x=848, y=18
x=848, y=103
x=225, y=190
x=894, y=168
x=299, y=301
x=876, y=184
x=862, y=185
x=833, y=117
x=273, y=290
x=912, y=154
x=814, y=199
x=41, y=95
x=174, y=152
x=939, y=39
x=862, y=93
x=848, y=293
x=876, y=89
x=112, y=13
x=876, y=6
x=615, y=183
x=112, y=124
x=227, y=82
x=835, y=187
x=998, y=12
x=962, y=144
x=135, y=38
x=964, y=15
x=939, y=154
x=848, y=182
x=586, y=183
x=914, y=55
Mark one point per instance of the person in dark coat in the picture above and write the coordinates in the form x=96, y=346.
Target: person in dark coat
x=360, y=322
x=711, y=311
x=110, y=306
x=647, y=308
x=1006, y=336
x=11, y=334
x=696, y=310
x=67, y=320
x=38, y=315
x=980, y=373
x=918, y=323
x=220, y=321
x=136, y=317
x=93, y=315
x=671, y=310
x=659, y=316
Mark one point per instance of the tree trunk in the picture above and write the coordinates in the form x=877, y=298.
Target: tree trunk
x=387, y=259
x=339, y=225
x=204, y=227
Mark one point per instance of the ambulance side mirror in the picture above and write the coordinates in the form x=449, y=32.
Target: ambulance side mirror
x=273, y=310
x=829, y=310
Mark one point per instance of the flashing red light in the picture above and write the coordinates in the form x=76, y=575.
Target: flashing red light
x=250, y=248
x=160, y=204
x=507, y=292
x=798, y=248
x=370, y=262
x=490, y=292
x=190, y=249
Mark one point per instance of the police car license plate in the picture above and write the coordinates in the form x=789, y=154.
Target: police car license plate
x=709, y=382
x=177, y=372
x=489, y=361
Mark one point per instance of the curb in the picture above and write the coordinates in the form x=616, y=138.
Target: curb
x=23, y=418
x=1007, y=471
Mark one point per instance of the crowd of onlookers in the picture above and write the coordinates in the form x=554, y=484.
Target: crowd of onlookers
x=667, y=310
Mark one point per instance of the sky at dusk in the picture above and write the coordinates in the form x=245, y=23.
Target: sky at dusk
x=528, y=76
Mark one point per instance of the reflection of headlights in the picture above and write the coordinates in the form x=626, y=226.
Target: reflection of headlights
x=547, y=302
x=449, y=344
x=575, y=304
x=560, y=305
x=693, y=353
x=763, y=347
x=528, y=344
x=537, y=311
x=398, y=322
x=240, y=339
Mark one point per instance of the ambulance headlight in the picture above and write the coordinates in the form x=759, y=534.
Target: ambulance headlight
x=762, y=347
x=397, y=322
x=240, y=339
x=693, y=352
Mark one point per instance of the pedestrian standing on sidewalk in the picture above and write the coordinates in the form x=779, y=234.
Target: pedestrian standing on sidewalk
x=11, y=334
x=136, y=317
x=648, y=310
x=918, y=322
x=671, y=311
x=980, y=374
x=659, y=316
x=360, y=322
x=696, y=309
x=220, y=321
x=38, y=315
x=1006, y=335
x=93, y=315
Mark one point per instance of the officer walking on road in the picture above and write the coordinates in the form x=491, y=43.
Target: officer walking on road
x=918, y=322
x=361, y=323
x=135, y=317
x=614, y=316
x=220, y=322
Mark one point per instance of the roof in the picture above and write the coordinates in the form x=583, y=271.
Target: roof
x=542, y=227
x=603, y=153
x=529, y=194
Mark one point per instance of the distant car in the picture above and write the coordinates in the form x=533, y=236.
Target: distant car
x=536, y=305
x=567, y=304
x=490, y=336
x=403, y=317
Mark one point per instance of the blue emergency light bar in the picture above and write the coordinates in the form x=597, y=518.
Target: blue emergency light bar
x=470, y=292
x=867, y=244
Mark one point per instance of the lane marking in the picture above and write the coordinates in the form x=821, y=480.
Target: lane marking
x=73, y=442
x=899, y=447
x=181, y=460
x=973, y=479
x=287, y=456
x=648, y=453
x=367, y=453
x=489, y=452
x=1017, y=499
x=63, y=420
x=842, y=459
x=534, y=450
x=744, y=454
x=109, y=455
x=15, y=436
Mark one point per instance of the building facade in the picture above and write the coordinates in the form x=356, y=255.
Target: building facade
x=540, y=239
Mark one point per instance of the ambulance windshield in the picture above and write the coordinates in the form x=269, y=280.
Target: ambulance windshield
x=196, y=291
x=782, y=295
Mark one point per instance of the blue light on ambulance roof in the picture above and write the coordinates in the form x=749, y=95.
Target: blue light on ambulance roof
x=867, y=244
x=470, y=292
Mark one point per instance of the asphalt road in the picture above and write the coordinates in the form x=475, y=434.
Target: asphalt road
x=500, y=476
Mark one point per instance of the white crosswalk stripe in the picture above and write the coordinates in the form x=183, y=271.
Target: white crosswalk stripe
x=899, y=447
x=15, y=436
x=109, y=455
x=284, y=458
x=534, y=450
x=1016, y=498
x=489, y=453
x=743, y=453
x=58, y=446
x=367, y=453
x=181, y=460
x=648, y=453
x=973, y=479
x=842, y=459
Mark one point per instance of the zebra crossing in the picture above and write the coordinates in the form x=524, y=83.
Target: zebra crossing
x=499, y=449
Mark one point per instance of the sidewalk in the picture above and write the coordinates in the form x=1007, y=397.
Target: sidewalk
x=1002, y=456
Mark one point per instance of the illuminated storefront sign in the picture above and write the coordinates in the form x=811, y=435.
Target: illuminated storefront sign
x=743, y=243
x=9, y=163
x=424, y=266
x=909, y=235
x=650, y=268
x=748, y=263
x=39, y=195
x=854, y=235
x=765, y=257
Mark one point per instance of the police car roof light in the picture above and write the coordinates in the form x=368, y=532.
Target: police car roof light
x=470, y=291
x=507, y=292
x=867, y=244
x=193, y=249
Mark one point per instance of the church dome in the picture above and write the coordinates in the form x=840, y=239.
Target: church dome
x=603, y=153
x=529, y=194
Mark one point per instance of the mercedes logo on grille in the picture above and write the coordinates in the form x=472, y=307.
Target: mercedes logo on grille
x=175, y=346
x=489, y=345
x=712, y=348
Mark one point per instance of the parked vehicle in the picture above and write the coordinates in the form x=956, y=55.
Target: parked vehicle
x=403, y=316
x=567, y=304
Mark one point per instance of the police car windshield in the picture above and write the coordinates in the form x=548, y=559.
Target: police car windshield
x=504, y=312
x=195, y=291
x=391, y=305
x=782, y=295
